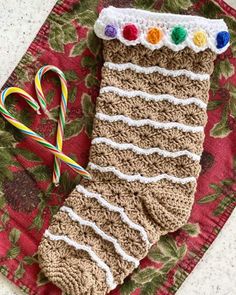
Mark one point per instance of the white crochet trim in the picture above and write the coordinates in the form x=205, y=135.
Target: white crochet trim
x=149, y=70
x=144, y=20
x=117, y=209
x=140, y=178
x=154, y=97
x=147, y=151
x=101, y=233
x=109, y=276
x=143, y=122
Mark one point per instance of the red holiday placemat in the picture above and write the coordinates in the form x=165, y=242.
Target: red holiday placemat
x=27, y=198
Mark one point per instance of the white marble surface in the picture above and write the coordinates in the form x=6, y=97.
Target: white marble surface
x=216, y=272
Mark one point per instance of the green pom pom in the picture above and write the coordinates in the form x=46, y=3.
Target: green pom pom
x=178, y=35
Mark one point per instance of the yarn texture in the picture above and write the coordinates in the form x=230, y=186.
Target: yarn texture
x=222, y=39
x=130, y=32
x=171, y=30
x=200, y=38
x=144, y=160
x=178, y=35
x=154, y=35
x=110, y=31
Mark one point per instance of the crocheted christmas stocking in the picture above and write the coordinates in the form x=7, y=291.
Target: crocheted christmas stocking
x=147, y=142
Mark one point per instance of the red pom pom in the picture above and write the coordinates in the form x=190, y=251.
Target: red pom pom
x=130, y=32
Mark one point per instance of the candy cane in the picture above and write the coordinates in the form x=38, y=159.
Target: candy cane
x=62, y=112
x=25, y=130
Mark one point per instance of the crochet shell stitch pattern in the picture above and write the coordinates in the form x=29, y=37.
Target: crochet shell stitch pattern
x=146, y=146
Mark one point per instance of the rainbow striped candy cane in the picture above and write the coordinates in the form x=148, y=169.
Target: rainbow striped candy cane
x=62, y=112
x=25, y=130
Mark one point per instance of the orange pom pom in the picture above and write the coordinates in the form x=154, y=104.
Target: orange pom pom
x=154, y=35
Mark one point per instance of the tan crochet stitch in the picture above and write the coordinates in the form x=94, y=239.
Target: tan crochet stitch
x=144, y=170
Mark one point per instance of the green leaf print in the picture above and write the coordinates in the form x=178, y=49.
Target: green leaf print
x=128, y=287
x=19, y=273
x=151, y=287
x=88, y=111
x=7, y=143
x=168, y=247
x=216, y=187
x=214, y=84
x=87, y=18
x=226, y=69
x=224, y=203
x=67, y=184
x=23, y=74
x=41, y=172
x=223, y=69
x=14, y=235
x=224, y=191
x=144, y=4
x=41, y=279
x=176, y=6
x=182, y=251
x=2, y=202
x=27, y=154
x=89, y=61
x=84, y=5
x=231, y=23
x=91, y=81
x=168, y=266
x=156, y=254
x=78, y=48
x=208, y=198
x=221, y=129
x=54, y=114
x=227, y=181
x=37, y=222
x=73, y=128
x=87, y=105
x=93, y=42
x=211, y=10
x=232, y=101
x=56, y=38
x=6, y=139
x=214, y=104
x=24, y=289
x=145, y=275
x=5, y=217
x=50, y=95
x=30, y=259
x=71, y=75
x=70, y=34
x=13, y=252
x=166, y=250
x=149, y=279
x=72, y=95
x=4, y=270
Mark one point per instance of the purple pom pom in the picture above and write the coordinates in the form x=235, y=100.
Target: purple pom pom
x=110, y=31
x=222, y=39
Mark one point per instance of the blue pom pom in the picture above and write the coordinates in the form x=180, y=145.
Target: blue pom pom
x=222, y=39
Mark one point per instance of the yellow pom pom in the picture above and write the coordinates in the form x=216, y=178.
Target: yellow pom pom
x=154, y=35
x=200, y=38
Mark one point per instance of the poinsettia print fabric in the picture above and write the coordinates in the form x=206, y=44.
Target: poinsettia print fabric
x=27, y=198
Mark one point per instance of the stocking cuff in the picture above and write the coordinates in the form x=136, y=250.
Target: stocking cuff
x=154, y=30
